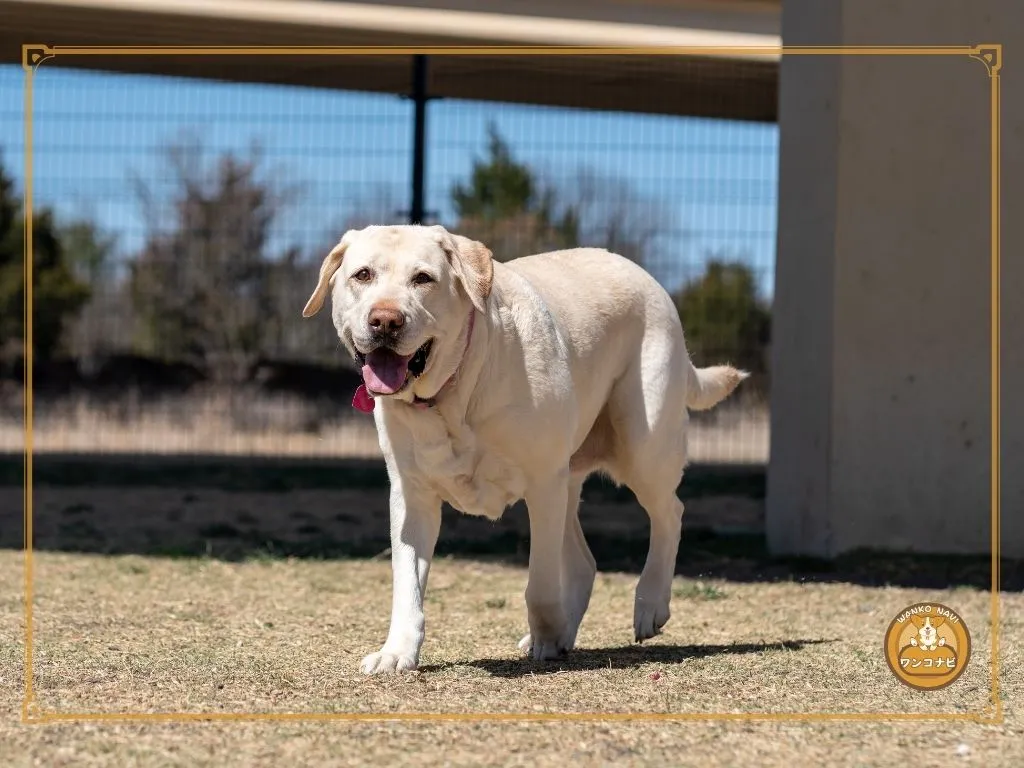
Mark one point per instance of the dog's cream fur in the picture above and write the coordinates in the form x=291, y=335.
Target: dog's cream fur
x=576, y=364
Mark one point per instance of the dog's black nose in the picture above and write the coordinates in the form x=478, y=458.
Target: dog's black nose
x=385, y=319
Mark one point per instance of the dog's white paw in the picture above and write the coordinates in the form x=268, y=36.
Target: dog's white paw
x=383, y=662
x=649, y=618
x=546, y=650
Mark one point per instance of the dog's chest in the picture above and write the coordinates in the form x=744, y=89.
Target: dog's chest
x=469, y=471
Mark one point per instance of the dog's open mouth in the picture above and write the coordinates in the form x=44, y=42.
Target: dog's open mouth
x=385, y=372
x=419, y=360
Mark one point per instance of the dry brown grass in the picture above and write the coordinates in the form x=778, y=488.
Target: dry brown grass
x=292, y=427
x=116, y=634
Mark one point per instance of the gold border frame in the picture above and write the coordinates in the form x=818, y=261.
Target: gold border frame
x=990, y=55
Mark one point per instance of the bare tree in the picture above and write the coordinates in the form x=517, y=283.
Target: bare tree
x=608, y=213
x=201, y=282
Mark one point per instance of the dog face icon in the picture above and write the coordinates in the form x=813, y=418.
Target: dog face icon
x=927, y=636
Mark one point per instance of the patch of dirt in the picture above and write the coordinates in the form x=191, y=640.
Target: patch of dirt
x=325, y=522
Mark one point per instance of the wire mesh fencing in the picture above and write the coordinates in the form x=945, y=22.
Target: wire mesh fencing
x=180, y=224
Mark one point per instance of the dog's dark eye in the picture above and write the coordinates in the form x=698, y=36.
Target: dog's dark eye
x=362, y=275
x=422, y=278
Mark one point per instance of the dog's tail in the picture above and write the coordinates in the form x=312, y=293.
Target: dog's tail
x=710, y=386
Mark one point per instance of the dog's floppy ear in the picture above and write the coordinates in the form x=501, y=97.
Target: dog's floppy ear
x=331, y=264
x=938, y=621
x=917, y=621
x=472, y=264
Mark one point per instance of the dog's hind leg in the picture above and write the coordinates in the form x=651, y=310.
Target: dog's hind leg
x=653, y=473
x=654, y=590
x=648, y=412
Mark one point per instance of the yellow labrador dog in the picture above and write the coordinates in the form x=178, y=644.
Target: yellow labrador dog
x=490, y=383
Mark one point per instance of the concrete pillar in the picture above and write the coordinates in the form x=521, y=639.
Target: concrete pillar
x=881, y=365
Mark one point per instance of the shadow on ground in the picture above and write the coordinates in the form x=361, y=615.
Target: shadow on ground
x=622, y=657
x=237, y=508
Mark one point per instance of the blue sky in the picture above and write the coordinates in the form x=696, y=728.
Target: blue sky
x=714, y=182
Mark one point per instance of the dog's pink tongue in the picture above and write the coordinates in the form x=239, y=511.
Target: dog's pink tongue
x=385, y=371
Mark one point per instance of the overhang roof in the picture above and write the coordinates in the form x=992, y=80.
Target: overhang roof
x=737, y=85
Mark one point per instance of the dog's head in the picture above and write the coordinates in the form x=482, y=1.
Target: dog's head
x=401, y=298
x=926, y=628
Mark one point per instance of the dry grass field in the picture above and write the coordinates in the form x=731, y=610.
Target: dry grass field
x=147, y=634
x=228, y=585
x=287, y=426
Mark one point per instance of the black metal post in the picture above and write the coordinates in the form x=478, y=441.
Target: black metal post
x=419, y=135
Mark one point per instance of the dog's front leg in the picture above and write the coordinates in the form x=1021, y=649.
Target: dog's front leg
x=549, y=631
x=415, y=524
